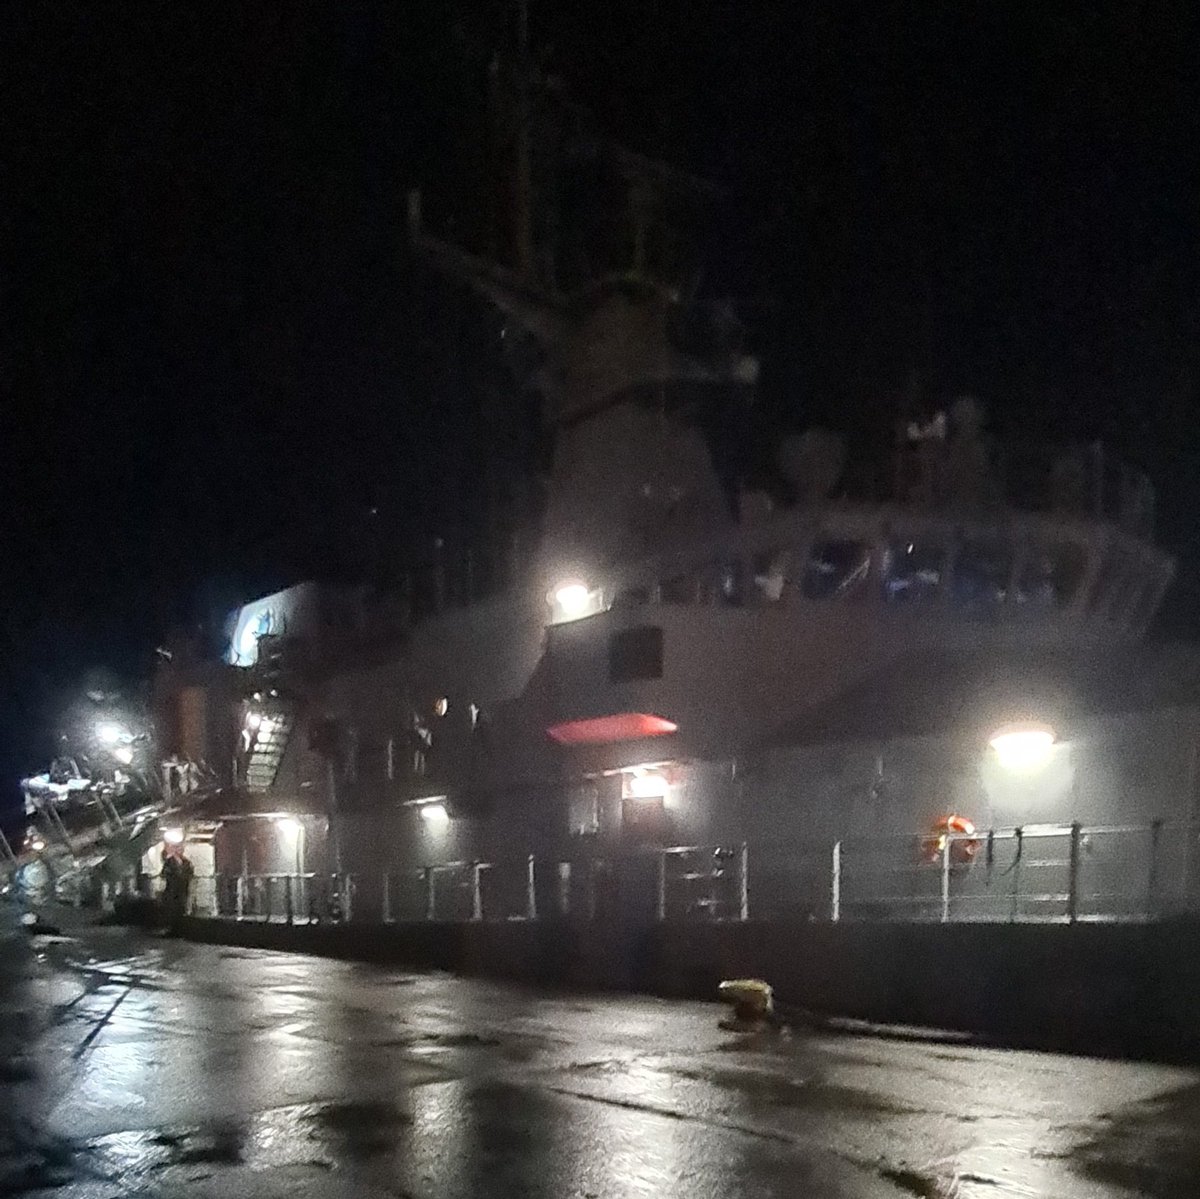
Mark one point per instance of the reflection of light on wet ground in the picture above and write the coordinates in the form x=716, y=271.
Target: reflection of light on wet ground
x=114, y=1076
x=242, y=1074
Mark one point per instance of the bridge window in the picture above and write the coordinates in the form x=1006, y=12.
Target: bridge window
x=1051, y=575
x=631, y=597
x=723, y=583
x=635, y=654
x=769, y=572
x=1111, y=591
x=913, y=571
x=982, y=574
x=733, y=584
x=835, y=567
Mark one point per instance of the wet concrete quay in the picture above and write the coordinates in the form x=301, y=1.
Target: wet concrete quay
x=132, y=1065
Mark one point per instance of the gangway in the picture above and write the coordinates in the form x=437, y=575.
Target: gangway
x=79, y=830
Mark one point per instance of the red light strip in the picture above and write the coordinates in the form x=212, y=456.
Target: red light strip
x=600, y=730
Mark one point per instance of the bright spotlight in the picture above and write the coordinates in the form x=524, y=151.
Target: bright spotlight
x=37, y=845
x=651, y=785
x=108, y=732
x=289, y=826
x=253, y=720
x=572, y=599
x=435, y=814
x=173, y=836
x=1022, y=747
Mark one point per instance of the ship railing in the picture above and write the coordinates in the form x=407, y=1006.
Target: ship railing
x=1034, y=873
x=1086, y=481
x=527, y=887
x=284, y=898
x=1040, y=873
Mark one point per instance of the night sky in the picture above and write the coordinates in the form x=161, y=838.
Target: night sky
x=219, y=364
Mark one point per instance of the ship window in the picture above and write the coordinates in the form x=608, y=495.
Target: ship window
x=835, y=567
x=1051, y=575
x=723, y=583
x=768, y=570
x=913, y=571
x=631, y=597
x=1110, y=593
x=635, y=654
x=583, y=810
x=733, y=584
x=982, y=572
x=679, y=590
x=710, y=584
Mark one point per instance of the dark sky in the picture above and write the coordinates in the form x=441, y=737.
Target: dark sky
x=210, y=331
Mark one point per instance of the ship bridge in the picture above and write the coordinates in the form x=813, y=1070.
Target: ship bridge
x=724, y=638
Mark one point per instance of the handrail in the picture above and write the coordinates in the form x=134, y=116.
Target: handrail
x=1046, y=873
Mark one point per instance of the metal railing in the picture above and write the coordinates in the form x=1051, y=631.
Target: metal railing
x=285, y=898
x=1066, y=873
x=1057, y=873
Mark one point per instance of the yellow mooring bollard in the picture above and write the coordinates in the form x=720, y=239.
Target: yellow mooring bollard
x=753, y=1004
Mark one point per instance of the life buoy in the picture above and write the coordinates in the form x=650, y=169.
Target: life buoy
x=960, y=832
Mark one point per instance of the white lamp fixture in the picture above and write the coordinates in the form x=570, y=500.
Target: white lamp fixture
x=1023, y=747
x=289, y=827
x=108, y=732
x=650, y=785
x=173, y=836
x=572, y=598
x=434, y=814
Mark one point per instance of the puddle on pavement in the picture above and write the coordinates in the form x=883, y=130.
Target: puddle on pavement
x=1149, y=1148
x=427, y=1042
x=458, y=1040
x=15, y=1070
x=131, y=1155
x=915, y=1184
x=44, y=1165
x=314, y=1136
x=780, y=1091
x=351, y=1117
x=357, y=1129
x=607, y=1066
x=222, y=1146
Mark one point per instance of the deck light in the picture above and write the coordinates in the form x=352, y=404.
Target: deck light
x=434, y=814
x=573, y=599
x=1023, y=747
x=108, y=732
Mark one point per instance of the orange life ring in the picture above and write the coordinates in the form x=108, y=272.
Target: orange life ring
x=960, y=831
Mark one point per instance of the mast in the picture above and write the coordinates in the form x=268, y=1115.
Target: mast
x=522, y=206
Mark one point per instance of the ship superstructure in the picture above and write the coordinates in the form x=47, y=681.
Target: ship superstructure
x=681, y=665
